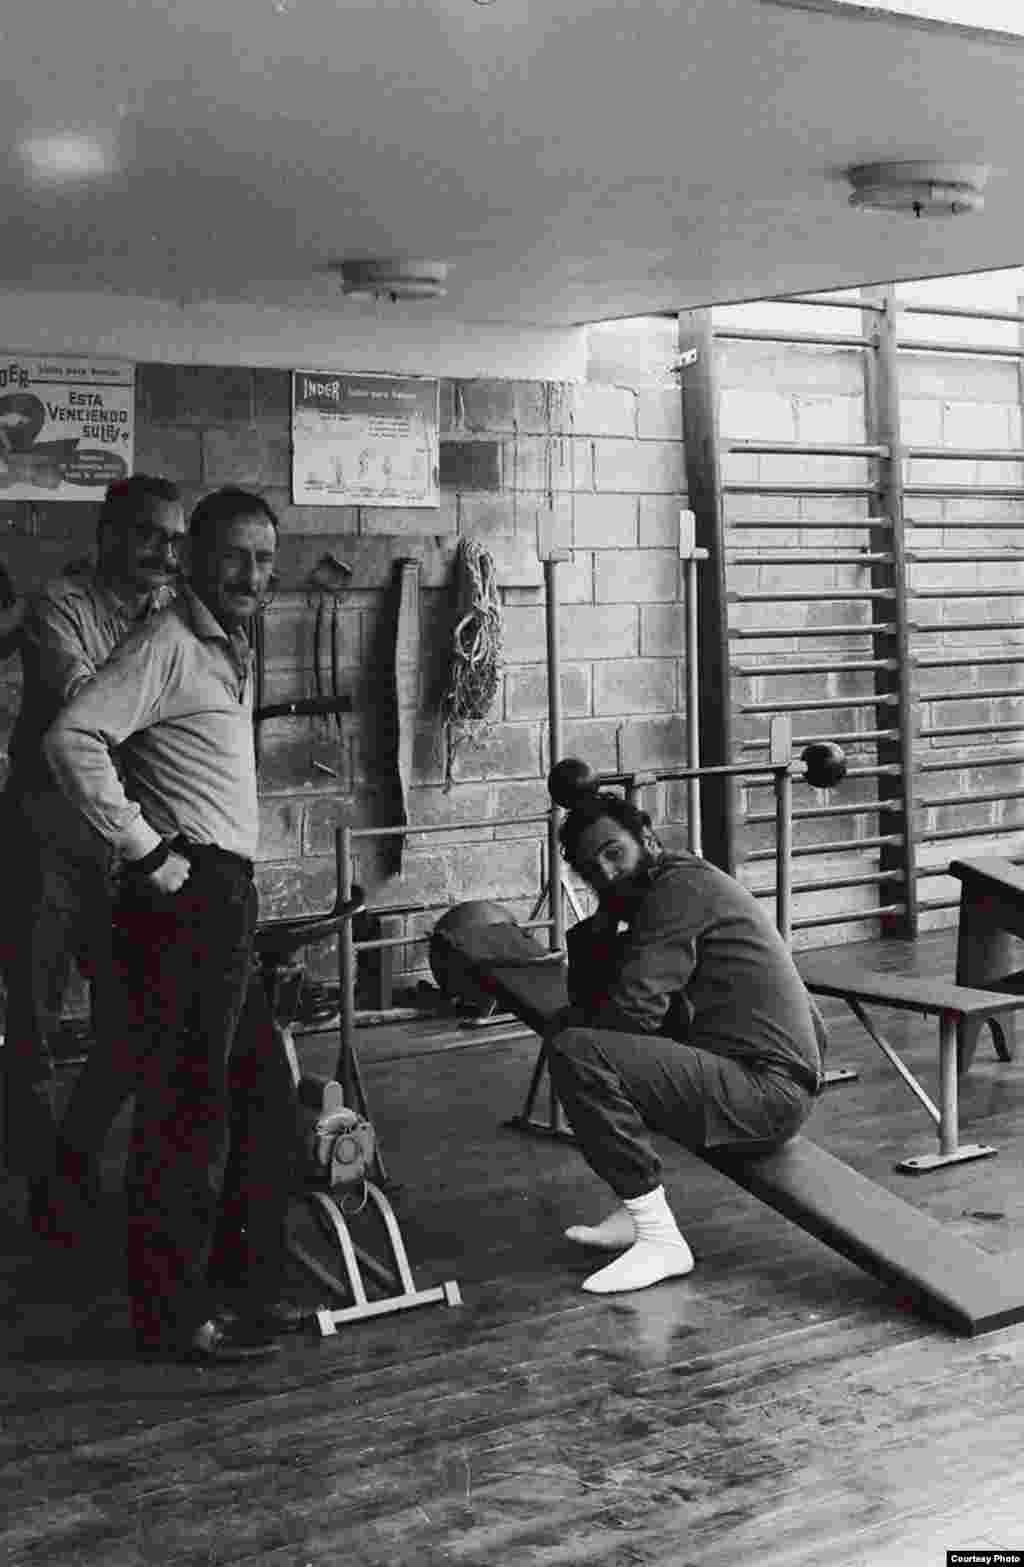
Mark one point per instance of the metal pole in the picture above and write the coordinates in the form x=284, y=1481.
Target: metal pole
x=689, y=555
x=555, y=889
x=780, y=744
x=346, y=968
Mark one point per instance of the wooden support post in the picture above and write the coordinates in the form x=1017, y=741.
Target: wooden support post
x=704, y=492
x=891, y=638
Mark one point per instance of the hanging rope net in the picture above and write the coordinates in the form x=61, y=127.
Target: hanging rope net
x=474, y=661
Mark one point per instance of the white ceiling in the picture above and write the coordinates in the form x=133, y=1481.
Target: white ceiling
x=573, y=160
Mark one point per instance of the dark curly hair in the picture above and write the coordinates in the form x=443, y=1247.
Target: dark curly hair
x=592, y=807
x=223, y=506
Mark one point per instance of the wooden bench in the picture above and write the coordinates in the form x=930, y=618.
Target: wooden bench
x=955, y=1006
x=944, y=1276
x=989, y=953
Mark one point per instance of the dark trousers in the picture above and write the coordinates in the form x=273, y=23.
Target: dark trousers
x=57, y=903
x=214, y=1134
x=616, y=1089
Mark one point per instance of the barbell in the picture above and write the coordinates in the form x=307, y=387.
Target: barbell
x=571, y=780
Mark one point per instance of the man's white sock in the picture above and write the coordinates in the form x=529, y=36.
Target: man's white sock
x=658, y=1252
x=614, y=1233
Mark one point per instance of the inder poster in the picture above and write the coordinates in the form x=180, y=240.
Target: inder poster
x=364, y=440
x=67, y=427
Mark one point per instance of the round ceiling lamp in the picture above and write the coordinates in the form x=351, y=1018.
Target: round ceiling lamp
x=392, y=278
x=922, y=189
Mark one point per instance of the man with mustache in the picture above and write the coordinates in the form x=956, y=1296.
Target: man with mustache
x=687, y=1018
x=58, y=868
x=214, y=1126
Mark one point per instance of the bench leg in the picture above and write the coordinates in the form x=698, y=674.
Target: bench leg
x=986, y=953
x=950, y=1149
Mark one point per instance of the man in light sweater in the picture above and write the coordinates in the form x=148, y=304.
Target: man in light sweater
x=176, y=701
x=687, y=1018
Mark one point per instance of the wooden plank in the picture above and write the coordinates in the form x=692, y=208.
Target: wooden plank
x=831, y=978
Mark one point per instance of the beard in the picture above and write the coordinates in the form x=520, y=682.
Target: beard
x=623, y=898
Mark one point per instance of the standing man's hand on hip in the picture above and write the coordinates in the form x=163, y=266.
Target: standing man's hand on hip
x=172, y=875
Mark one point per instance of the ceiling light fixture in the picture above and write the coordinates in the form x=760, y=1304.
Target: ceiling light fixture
x=67, y=155
x=925, y=189
x=392, y=278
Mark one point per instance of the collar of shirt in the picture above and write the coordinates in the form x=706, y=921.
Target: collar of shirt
x=209, y=629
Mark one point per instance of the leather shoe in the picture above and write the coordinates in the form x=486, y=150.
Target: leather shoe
x=220, y=1340
x=223, y=1339
x=277, y=1316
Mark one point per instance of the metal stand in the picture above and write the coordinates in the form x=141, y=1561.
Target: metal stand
x=394, y=1276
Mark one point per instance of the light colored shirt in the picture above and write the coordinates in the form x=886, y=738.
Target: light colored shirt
x=70, y=628
x=176, y=697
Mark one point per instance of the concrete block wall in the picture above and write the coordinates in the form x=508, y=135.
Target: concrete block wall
x=595, y=467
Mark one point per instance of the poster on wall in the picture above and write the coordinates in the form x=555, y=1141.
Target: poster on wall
x=364, y=440
x=67, y=426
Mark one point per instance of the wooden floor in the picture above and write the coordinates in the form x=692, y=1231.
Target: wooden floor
x=777, y=1408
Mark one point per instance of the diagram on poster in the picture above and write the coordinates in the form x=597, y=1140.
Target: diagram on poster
x=364, y=440
x=67, y=427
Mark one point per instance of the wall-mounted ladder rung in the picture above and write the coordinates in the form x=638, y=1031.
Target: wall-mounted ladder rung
x=806, y=448
x=813, y=704
x=834, y=666
x=863, y=628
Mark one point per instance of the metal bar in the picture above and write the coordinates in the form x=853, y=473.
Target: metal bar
x=804, y=523
x=961, y=522
x=971, y=350
x=969, y=696
x=967, y=625
x=812, y=669
x=968, y=593
x=970, y=729
x=851, y=737
x=965, y=312
x=765, y=487
x=814, y=595
x=780, y=746
x=974, y=557
x=992, y=829
x=865, y=808
x=755, y=633
x=834, y=884
x=971, y=659
x=821, y=301
x=1014, y=757
x=696, y=340
x=814, y=705
x=806, y=448
x=556, y=900
x=346, y=969
x=966, y=453
x=976, y=799
x=841, y=846
x=951, y=491
x=886, y=910
x=742, y=334
x=887, y=1050
x=799, y=557
x=688, y=565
